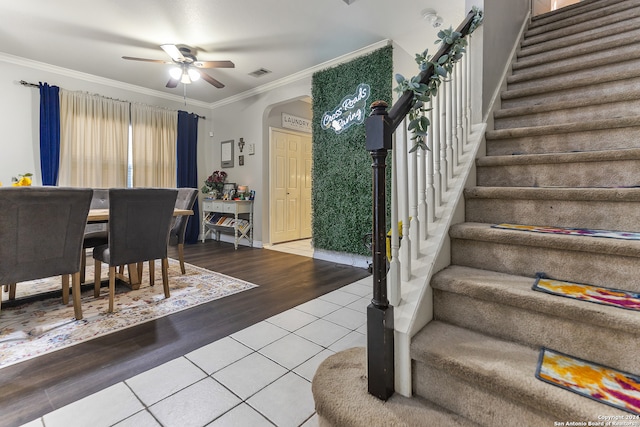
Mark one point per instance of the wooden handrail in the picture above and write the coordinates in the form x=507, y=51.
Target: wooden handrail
x=401, y=108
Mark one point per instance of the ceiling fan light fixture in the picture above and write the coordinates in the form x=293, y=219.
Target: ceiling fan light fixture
x=175, y=72
x=185, y=78
x=194, y=75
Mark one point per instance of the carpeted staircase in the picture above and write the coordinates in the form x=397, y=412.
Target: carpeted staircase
x=564, y=152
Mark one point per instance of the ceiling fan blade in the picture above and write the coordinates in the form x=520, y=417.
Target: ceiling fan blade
x=172, y=83
x=157, y=61
x=210, y=79
x=214, y=64
x=173, y=51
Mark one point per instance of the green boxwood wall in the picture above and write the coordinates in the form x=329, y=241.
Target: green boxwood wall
x=341, y=191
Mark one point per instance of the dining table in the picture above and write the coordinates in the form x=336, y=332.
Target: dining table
x=102, y=215
x=135, y=270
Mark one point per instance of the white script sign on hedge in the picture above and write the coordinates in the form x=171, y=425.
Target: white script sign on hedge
x=351, y=111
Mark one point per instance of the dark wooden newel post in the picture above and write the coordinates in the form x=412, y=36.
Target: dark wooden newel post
x=379, y=313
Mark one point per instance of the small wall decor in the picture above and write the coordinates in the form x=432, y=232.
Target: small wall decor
x=226, y=154
x=241, y=160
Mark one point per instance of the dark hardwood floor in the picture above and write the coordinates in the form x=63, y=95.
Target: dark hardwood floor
x=35, y=387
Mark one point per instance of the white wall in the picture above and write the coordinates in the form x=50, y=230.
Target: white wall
x=500, y=30
x=20, y=111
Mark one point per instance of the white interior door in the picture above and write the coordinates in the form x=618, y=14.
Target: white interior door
x=290, y=212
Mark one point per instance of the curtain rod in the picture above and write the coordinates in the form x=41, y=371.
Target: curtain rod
x=25, y=83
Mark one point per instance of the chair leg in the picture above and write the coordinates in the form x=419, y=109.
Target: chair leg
x=97, y=273
x=65, y=289
x=83, y=265
x=181, y=257
x=75, y=282
x=12, y=291
x=112, y=287
x=140, y=268
x=152, y=272
x=165, y=276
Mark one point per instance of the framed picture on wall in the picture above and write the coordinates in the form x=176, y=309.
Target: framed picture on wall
x=226, y=154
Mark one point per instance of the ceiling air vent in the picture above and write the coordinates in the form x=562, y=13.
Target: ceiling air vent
x=259, y=72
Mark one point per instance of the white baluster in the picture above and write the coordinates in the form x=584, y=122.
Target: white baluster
x=403, y=183
x=449, y=130
x=455, y=149
x=458, y=111
x=422, y=191
x=468, y=84
x=431, y=191
x=414, y=224
x=463, y=98
x=444, y=166
x=437, y=175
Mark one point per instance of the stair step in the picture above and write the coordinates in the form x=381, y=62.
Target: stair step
x=609, y=31
x=599, y=42
x=595, y=136
x=491, y=381
x=504, y=306
x=616, y=168
x=607, y=15
x=594, y=208
x=583, y=88
x=605, y=107
x=580, y=259
x=563, y=78
x=568, y=11
x=340, y=394
x=578, y=65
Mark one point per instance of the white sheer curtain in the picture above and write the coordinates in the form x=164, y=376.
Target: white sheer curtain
x=93, y=140
x=154, y=138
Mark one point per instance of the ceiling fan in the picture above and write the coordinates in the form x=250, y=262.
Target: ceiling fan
x=187, y=67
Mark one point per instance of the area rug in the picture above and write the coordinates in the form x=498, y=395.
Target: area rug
x=606, y=385
x=613, y=234
x=596, y=294
x=40, y=326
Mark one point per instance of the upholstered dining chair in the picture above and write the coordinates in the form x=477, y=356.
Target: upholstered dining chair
x=95, y=234
x=186, y=199
x=41, y=232
x=139, y=222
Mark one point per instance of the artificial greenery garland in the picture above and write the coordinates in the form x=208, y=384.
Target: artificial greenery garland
x=422, y=92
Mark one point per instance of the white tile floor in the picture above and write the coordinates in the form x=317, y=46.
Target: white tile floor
x=260, y=376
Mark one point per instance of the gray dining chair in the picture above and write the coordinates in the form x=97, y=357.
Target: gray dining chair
x=95, y=234
x=139, y=223
x=41, y=232
x=185, y=200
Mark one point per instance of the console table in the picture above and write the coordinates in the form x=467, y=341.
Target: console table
x=223, y=215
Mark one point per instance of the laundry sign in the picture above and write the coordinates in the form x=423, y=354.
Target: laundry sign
x=351, y=110
x=296, y=123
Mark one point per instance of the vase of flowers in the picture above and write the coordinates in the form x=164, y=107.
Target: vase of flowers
x=214, y=184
